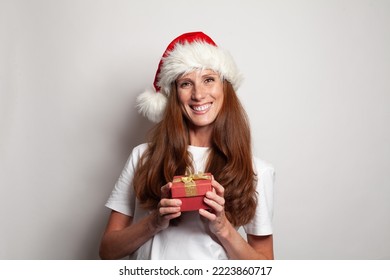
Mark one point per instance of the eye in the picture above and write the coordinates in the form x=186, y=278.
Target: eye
x=184, y=84
x=209, y=80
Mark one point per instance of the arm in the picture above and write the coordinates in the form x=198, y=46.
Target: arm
x=257, y=247
x=122, y=237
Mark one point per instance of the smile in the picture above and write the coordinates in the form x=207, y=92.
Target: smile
x=201, y=108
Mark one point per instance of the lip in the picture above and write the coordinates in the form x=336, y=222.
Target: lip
x=201, y=108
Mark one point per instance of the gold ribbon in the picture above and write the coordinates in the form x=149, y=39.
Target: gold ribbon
x=189, y=182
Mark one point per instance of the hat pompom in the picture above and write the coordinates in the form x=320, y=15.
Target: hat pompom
x=152, y=105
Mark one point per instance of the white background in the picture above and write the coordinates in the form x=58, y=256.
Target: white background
x=316, y=89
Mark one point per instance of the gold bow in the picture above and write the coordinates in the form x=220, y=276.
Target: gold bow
x=189, y=182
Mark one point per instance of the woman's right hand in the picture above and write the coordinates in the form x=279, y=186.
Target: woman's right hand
x=167, y=208
x=122, y=237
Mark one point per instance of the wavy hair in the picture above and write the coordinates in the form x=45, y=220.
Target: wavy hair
x=230, y=159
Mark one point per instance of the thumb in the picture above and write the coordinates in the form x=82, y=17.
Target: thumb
x=165, y=190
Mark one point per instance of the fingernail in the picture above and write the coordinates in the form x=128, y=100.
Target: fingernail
x=178, y=202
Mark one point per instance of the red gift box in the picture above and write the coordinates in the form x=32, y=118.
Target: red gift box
x=191, y=189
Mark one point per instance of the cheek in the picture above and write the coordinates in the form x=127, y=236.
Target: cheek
x=183, y=97
x=219, y=101
x=180, y=100
x=183, y=103
x=217, y=92
x=219, y=96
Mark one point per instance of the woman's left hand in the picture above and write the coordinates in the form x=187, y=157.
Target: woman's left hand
x=215, y=199
x=258, y=247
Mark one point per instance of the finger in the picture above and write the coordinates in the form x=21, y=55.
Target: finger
x=168, y=202
x=218, y=187
x=172, y=216
x=165, y=190
x=214, y=196
x=165, y=211
x=214, y=205
x=208, y=215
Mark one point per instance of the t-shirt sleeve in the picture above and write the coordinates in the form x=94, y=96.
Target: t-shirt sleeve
x=261, y=223
x=122, y=198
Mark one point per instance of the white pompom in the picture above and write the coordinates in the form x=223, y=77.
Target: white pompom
x=152, y=105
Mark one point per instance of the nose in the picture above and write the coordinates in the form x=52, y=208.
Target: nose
x=198, y=92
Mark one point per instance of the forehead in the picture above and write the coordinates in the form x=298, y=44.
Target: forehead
x=198, y=72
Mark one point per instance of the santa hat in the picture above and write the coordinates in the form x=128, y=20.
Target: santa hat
x=186, y=53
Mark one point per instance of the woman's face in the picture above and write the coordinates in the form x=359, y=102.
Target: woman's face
x=201, y=96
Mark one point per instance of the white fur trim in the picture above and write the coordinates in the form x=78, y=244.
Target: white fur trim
x=152, y=105
x=185, y=58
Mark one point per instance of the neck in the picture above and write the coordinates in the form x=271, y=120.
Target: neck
x=201, y=136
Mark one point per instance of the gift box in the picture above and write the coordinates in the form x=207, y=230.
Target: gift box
x=191, y=189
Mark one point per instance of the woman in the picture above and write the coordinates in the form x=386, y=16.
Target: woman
x=201, y=127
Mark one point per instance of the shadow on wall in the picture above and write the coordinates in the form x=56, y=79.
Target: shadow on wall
x=133, y=134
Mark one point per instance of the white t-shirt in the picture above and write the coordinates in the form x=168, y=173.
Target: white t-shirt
x=191, y=238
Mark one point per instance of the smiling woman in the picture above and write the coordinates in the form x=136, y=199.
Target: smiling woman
x=200, y=94
x=201, y=127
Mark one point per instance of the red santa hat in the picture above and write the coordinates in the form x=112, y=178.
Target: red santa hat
x=186, y=53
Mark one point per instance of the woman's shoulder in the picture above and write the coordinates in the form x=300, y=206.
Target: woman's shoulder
x=265, y=172
x=137, y=153
x=139, y=149
x=263, y=165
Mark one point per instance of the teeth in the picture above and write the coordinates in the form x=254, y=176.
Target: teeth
x=201, y=108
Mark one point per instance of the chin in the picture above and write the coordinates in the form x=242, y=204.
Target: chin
x=201, y=123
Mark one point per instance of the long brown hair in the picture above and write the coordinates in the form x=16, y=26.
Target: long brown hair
x=230, y=159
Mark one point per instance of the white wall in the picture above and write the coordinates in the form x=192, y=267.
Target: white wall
x=317, y=92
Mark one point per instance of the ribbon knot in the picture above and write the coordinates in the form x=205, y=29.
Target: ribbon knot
x=189, y=182
x=192, y=177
